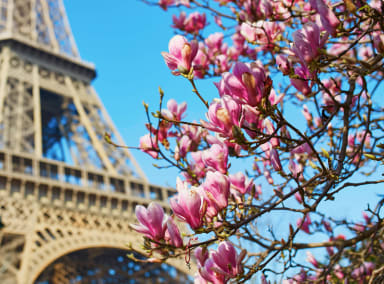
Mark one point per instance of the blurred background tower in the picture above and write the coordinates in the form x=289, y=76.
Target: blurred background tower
x=66, y=196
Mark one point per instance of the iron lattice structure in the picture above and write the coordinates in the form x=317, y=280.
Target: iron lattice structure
x=66, y=197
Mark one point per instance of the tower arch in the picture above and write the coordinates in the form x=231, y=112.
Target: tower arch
x=108, y=264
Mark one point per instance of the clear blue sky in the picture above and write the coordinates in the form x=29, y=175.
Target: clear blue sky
x=124, y=40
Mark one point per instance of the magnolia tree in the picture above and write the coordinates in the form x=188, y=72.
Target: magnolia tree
x=298, y=100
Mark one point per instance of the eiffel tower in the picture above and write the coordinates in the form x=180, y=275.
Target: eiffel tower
x=66, y=196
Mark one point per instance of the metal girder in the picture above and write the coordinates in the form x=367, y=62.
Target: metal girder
x=66, y=196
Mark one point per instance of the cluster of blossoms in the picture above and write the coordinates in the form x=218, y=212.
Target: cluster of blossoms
x=212, y=53
x=296, y=85
x=157, y=226
x=191, y=24
x=218, y=266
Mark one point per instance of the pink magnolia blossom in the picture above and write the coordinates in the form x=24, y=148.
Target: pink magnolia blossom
x=198, y=279
x=174, y=111
x=330, y=251
x=298, y=197
x=270, y=130
x=266, y=148
x=311, y=259
x=361, y=135
x=236, y=196
x=164, y=4
x=200, y=63
x=351, y=140
x=359, y=227
x=181, y=54
x=258, y=191
x=376, y=4
x=218, y=21
x=252, y=121
x=201, y=255
x=194, y=23
x=238, y=41
x=327, y=226
x=248, y=32
x=218, y=267
x=337, y=48
x=365, y=269
x=216, y=187
x=241, y=183
x=331, y=103
x=304, y=225
x=214, y=43
x=258, y=9
x=250, y=52
x=211, y=208
x=328, y=19
x=248, y=83
x=183, y=146
x=365, y=53
x=301, y=83
x=185, y=3
x=219, y=139
x=283, y=64
x=264, y=280
x=216, y=157
x=299, y=278
x=195, y=134
x=222, y=115
x=233, y=54
x=265, y=8
x=226, y=260
x=161, y=133
x=208, y=273
x=318, y=121
x=275, y=160
x=302, y=149
x=178, y=22
x=172, y=234
x=285, y=132
x=222, y=64
x=367, y=219
x=281, y=11
x=267, y=33
x=275, y=99
x=197, y=167
x=307, y=43
x=296, y=169
x=148, y=145
x=307, y=115
x=188, y=205
x=151, y=221
x=378, y=42
x=338, y=272
x=332, y=85
x=198, y=158
x=267, y=175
